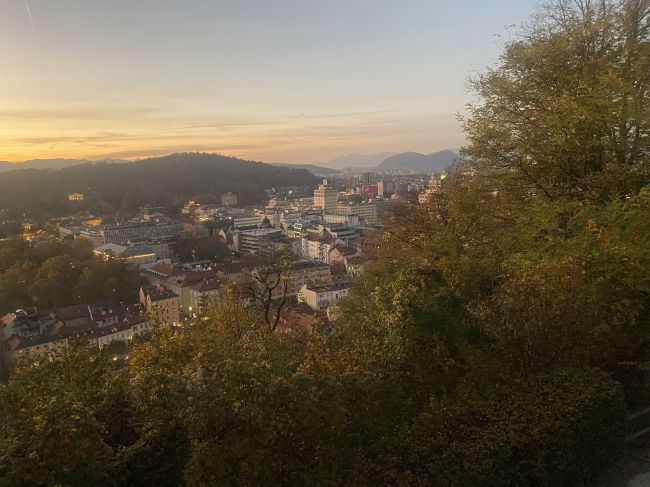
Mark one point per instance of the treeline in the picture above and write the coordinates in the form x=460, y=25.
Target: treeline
x=162, y=181
x=201, y=248
x=500, y=340
x=60, y=273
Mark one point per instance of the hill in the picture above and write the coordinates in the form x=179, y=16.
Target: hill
x=163, y=181
x=312, y=168
x=414, y=161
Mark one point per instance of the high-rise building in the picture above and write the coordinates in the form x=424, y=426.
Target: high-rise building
x=384, y=188
x=325, y=197
x=366, y=178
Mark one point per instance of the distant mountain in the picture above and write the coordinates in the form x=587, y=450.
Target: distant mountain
x=414, y=161
x=312, y=168
x=52, y=163
x=359, y=160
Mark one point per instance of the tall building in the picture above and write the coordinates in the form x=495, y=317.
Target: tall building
x=366, y=178
x=325, y=197
x=385, y=187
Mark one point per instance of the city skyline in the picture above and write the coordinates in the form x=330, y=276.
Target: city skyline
x=289, y=82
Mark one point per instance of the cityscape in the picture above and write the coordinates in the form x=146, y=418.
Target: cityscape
x=325, y=243
x=187, y=261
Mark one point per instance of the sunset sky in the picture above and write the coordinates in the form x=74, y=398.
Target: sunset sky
x=271, y=80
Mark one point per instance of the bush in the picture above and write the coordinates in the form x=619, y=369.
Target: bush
x=560, y=430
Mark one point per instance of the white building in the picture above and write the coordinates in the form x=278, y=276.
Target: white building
x=365, y=211
x=350, y=220
x=317, y=248
x=322, y=297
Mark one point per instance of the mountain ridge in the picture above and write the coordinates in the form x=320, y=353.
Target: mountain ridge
x=415, y=161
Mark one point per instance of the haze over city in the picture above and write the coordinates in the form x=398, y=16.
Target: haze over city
x=282, y=81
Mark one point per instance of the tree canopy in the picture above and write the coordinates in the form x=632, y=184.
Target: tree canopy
x=60, y=273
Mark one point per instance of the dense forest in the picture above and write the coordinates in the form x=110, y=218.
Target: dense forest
x=162, y=181
x=501, y=339
x=60, y=273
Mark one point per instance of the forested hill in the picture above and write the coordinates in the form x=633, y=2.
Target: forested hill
x=163, y=181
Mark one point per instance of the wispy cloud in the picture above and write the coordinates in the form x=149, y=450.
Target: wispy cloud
x=29, y=14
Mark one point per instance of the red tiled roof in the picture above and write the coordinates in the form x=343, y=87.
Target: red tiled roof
x=345, y=250
x=195, y=277
x=71, y=312
x=207, y=285
x=158, y=293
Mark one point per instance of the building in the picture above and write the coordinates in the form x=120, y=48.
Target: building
x=317, y=247
x=229, y=199
x=365, y=211
x=384, y=188
x=204, y=293
x=325, y=197
x=93, y=235
x=122, y=234
x=300, y=316
x=136, y=255
x=354, y=264
x=28, y=324
x=99, y=323
x=337, y=230
x=339, y=253
x=76, y=196
x=309, y=272
x=367, y=190
x=365, y=178
x=181, y=284
x=322, y=297
x=432, y=189
x=22, y=347
x=75, y=315
x=367, y=244
x=160, y=303
x=246, y=221
x=351, y=221
x=257, y=240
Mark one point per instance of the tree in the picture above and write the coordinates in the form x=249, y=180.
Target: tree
x=269, y=283
x=58, y=421
x=201, y=248
x=566, y=111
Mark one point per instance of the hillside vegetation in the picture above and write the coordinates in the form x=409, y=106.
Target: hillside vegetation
x=501, y=339
x=163, y=181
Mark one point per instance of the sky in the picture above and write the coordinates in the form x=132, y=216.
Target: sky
x=271, y=80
